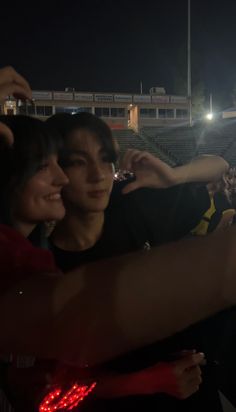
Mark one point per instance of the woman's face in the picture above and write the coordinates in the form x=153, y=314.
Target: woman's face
x=90, y=173
x=40, y=199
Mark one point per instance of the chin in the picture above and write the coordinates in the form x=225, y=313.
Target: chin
x=99, y=207
x=93, y=209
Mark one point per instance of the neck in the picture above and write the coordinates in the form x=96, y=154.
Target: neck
x=79, y=231
x=24, y=228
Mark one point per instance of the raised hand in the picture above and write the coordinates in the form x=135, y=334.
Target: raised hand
x=13, y=84
x=149, y=171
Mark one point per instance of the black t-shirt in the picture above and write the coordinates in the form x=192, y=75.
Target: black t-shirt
x=143, y=217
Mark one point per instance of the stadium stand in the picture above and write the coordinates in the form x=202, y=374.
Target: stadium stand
x=128, y=139
x=181, y=144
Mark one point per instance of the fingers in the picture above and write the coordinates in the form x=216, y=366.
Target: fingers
x=189, y=390
x=139, y=157
x=13, y=89
x=190, y=382
x=182, y=354
x=189, y=361
x=130, y=187
x=12, y=83
x=126, y=163
x=10, y=75
x=6, y=134
x=193, y=374
x=133, y=156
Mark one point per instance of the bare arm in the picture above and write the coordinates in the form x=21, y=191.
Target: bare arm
x=202, y=169
x=152, y=172
x=105, y=309
x=179, y=379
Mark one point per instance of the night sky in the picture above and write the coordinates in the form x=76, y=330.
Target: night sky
x=105, y=45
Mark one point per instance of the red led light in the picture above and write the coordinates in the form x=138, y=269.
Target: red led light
x=59, y=400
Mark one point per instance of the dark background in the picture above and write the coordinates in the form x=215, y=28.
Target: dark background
x=111, y=45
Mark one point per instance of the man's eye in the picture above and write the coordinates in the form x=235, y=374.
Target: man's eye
x=106, y=159
x=77, y=162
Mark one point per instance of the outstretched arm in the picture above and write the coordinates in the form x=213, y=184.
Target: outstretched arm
x=152, y=172
x=179, y=379
x=110, y=307
x=206, y=168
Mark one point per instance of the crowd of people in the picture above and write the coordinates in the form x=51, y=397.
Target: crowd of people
x=99, y=290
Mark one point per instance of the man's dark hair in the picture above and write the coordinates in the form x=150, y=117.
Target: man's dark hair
x=66, y=123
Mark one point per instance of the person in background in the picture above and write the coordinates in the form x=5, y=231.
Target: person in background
x=221, y=212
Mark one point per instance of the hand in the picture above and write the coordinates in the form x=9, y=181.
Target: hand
x=179, y=379
x=149, y=171
x=13, y=84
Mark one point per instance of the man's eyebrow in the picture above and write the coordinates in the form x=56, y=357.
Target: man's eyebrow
x=83, y=152
x=77, y=152
x=80, y=152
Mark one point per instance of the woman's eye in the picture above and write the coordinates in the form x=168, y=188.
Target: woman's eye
x=43, y=166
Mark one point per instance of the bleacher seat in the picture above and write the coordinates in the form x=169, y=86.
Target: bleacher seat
x=184, y=143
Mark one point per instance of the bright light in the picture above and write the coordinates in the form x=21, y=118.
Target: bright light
x=209, y=116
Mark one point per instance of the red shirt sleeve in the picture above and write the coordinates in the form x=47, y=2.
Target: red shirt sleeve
x=20, y=259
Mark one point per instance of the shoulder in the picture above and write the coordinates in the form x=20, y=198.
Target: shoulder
x=161, y=215
x=19, y=258
x=184, y=194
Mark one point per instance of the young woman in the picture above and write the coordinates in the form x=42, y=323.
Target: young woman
x=30, y=178
x=134, y=220
x=31, y=182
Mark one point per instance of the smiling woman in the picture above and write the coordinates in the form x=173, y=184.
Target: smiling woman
x=40, y=199
x=30, y=193
x=31, y=179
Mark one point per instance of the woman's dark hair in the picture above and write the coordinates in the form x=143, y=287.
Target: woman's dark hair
x=33, y=143
x=65, y=123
